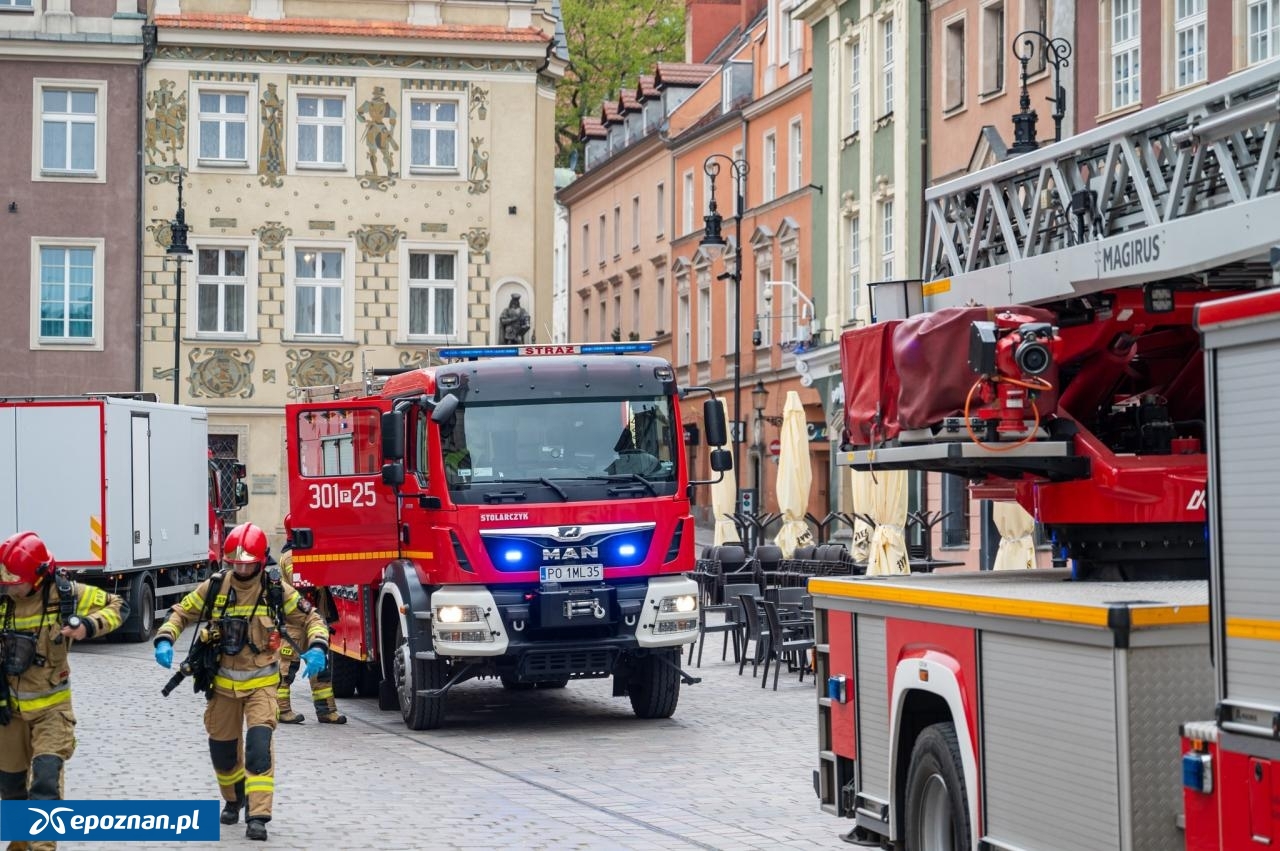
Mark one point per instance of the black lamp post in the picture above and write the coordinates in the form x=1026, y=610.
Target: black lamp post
x=1057, y=52
x=180, y=253
x=714, y=241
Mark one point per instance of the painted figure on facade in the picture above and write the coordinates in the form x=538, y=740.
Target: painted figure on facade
x=379, y=118
x=514, y=321
x=271, y=151
x=165, y=126
x=479, y=174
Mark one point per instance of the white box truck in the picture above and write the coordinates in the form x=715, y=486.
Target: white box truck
x=122, y=489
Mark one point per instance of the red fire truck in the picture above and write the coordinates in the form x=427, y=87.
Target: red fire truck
x=520, y=512
x=1121, y=385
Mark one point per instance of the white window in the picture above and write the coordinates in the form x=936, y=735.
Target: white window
x=795, y=156
x=635, y=222
x=662, y=305
x=322, y=130
x=635, y=309
x=733, y=185
x=704, y=316
x=15, y=4
x=617, y=314
x=687, y=202
x=855, y=264
x=855, y=86
x=730, y=327
x=432, y=293
x=886, y=66
x=69, y=134
x=682, y=350
x=1189, y=41
x=886, y=244
x=222, y=121
x=319, y=291
x=604, y=322
x=586, y=247
x=660, y=210
x=770, y=166
x=1035, y=16
x=787, y=298
x=1125, y=53
x=434, y=132
x=1264, y=29
x=67, y=283
x=222, y=284
x=617, y=231
x=953, y=65
x=586, y=322
x=784, y=32
x=764, y=306
x=993, y=49
x=602, y=236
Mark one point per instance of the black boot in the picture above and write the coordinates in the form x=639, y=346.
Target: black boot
x=256, y=829
x=231, y=812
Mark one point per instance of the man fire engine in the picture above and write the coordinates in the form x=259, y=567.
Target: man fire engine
x=522, y=512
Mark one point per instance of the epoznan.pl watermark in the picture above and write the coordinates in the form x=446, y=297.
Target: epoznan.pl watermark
x=126, y=821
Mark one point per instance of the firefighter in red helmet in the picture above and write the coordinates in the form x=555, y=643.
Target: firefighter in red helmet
x=41, y=613
x=322, y=698
x=246, y=606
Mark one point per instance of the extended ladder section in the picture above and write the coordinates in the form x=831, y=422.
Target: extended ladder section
x=1190, y=187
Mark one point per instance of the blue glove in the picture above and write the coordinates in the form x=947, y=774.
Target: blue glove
x=315, y=661
x=164, y=654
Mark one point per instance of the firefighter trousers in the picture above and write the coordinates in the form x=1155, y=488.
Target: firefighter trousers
x=321, y=686
x=240, y=748
x=32, y=755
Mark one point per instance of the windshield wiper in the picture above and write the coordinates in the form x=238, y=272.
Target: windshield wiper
x=545, y=482
x=625, y=477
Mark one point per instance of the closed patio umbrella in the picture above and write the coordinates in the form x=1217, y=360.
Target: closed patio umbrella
x=863, y=485
x=889, y=511
x=795, y=474
x=1017, y=545
x=723, y=498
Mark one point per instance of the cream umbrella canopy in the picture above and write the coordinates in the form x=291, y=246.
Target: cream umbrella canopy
x=889, y=511
x=723, y=497
x=795, y=475
x=1017, y=547
x=863, y=487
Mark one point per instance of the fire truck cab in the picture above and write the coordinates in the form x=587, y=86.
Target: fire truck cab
x=520, y=512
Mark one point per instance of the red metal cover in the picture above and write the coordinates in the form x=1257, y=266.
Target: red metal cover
x=871, y=386
x=931, y=363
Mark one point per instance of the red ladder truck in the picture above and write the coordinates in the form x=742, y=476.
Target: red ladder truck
x=1039, y=709
x=519, y=512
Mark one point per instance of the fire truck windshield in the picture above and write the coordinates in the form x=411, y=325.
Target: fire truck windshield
x=587, y=448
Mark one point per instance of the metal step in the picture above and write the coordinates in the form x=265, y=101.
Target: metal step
x=1054, y=459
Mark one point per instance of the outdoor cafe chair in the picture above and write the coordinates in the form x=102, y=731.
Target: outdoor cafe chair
x=786, y=641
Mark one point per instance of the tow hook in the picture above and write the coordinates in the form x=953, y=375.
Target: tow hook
x=686, y=678
x=461, y=674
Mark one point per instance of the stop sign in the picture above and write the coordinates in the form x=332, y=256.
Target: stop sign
x=775, y=447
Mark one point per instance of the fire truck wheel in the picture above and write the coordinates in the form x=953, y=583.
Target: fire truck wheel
x=654, y=687
x=937, y=812
x=419, y=711
x=142, y=606
x=346, y=673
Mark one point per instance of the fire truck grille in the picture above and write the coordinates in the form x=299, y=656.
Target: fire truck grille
x=558, y=663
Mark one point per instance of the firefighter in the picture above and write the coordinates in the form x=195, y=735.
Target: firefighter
x=245, y=605
x=41, y=613
x=322, y=683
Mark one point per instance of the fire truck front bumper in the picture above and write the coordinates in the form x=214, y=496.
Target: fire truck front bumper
x=475, y=621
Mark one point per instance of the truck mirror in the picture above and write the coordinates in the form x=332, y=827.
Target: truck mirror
x=393, y=438
x=445, y=410
x=242, y=494
x=393, y=474
x=721, y=460
x=239, y=470
x=713, y=423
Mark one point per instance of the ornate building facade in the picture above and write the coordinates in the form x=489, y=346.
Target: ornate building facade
x=359, y=191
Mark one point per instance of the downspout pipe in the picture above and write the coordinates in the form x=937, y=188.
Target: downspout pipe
x=149, y=37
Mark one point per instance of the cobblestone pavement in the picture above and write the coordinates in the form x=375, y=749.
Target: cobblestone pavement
x=555, y=769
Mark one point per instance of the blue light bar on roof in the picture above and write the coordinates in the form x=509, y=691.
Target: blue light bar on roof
x=547, y=350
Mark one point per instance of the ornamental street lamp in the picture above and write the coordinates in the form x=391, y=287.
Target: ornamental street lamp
x=1057, y=52
x=180, y=253
x=713, y=242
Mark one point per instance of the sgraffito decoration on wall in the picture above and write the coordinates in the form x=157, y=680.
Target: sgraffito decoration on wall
x=343, y=59
x=414, y=359
x=309, y=368
x=477, y=240
x=271, y=150
x=479, y=102
x=271, y=235
x=164, y=131
x=478, y=176
x=376, y=241
x=221, y=373
x=161, y=231
x=379, y=119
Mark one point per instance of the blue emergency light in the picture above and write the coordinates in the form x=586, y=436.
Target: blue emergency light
x=543, y=350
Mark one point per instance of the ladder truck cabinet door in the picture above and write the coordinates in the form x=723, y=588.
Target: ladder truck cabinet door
x=339, y=497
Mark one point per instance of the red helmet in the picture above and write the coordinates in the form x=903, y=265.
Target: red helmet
x=245, y=544
x=24, y=559
x=288, y=528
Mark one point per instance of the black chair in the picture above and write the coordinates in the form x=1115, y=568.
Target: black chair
x=769, y=558
x=756, y=631
x=786, y=640
x=732, y=625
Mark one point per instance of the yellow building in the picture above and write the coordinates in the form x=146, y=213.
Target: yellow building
x=359, y=191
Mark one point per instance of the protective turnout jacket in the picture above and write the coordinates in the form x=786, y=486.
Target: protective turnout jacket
x=46, y=685
x=257, y=664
